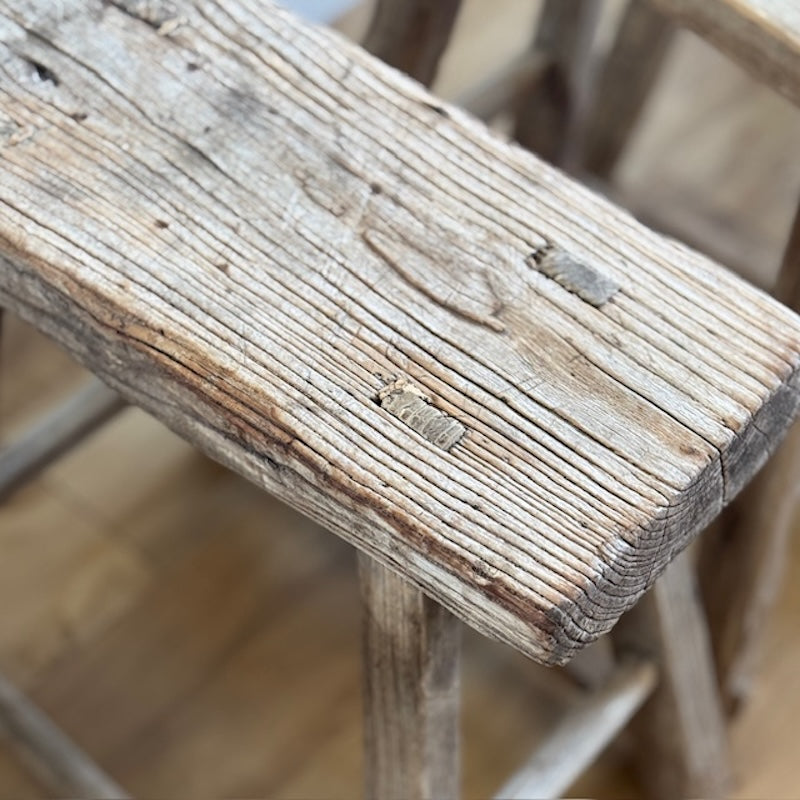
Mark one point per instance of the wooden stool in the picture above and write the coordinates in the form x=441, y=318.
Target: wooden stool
x=741, y=563
x=516, y=402
x=577, y=110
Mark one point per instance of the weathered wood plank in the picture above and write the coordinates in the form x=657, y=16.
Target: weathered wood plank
x=742, y=562
x=550, y=113
x=623, y=85
x=251, y=228
x=54, y=758
x=411, y=690
x=65, y=426
x=411, y=35
x=763, y=36
x=582, y=734
x=681, y=738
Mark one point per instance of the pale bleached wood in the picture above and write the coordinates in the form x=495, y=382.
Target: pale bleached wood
x=53, y=757
x=681, y=741
x=411, y=35
x=550, y=113
x=623, y=85
x=250, y=228
x=411, y=690
x=763, y=36
x=65, y=426
x=582, y=734
x=742, y=563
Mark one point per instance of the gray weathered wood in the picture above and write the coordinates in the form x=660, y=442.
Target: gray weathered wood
x=58, y=431
x=763, y=36
x=250, y=227
x=623, y=85
x=582, y=734
x=741, y=563
x=411, y=690
x=550, y=113
x=412, y=35
x=52, y=756
x=680, y=732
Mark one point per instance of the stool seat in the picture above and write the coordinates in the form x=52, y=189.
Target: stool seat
x=445, y=351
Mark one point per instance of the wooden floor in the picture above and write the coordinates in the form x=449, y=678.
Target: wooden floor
x=201, y=640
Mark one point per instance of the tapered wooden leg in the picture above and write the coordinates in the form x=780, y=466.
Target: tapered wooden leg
x=742, y=561
x=412, y=34
x=623, y=85
x=549, y=112
x=411, y=690
x=680, y=731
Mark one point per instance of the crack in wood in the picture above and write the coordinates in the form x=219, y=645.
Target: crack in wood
x=160, y=15
x=415, y=409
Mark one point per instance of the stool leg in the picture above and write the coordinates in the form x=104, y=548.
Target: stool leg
x=680, y=731
x=624, y=83
x=550, y=111
x=411, y=35
x=411, y=690
x=741, y=563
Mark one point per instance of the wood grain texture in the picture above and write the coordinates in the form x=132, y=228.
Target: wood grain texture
x=763, y=36
x=249, y=228
x=680, y=732
x=411, y=690
x=411, y=35
x=623, y=85
x=549, y=114
x=742, y=563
